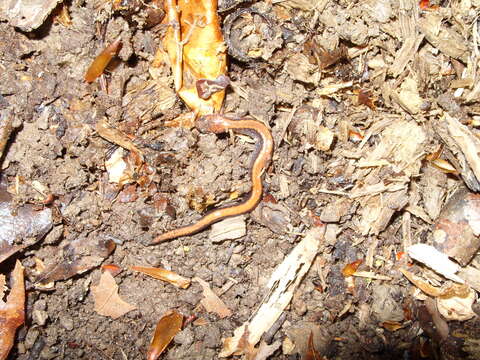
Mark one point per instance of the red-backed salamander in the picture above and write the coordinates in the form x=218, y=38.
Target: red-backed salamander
x=218, y=124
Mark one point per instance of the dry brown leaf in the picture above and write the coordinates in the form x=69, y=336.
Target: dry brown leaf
x=112, y=134
x=78, y=255
x=167, y=327
x=100, y=63
x=447, y=291
x=421, y=284
x=245, y=347
x=444, y=166
x=20, y=226
x=211, y=302
x=194, y=43
x=164, y=275
x=3, y=287
x=112, y=269
x=12, y=312
x=107, y=300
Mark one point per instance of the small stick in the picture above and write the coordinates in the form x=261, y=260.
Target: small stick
x=174, y=22
x=6, y=128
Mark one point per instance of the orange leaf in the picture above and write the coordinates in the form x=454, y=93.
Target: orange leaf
x=112, y=269
x=424, y=4
x=167, y=327
x=107, y=300
x=197, y=52
x=12, y=313
x=165, y=275
x=351, y=268
x=101, y=61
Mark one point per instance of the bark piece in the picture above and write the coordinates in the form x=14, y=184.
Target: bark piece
x=409, y=96
x=435, y=260
x=433, y=194
x=386, y=174
x=466, y=141
x=442, y=37
x=458, y=228
x=27, y=14
x=228, y=229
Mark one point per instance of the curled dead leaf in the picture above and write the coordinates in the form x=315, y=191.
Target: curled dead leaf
x=312, y=353
x=445, y=292
x=391, y=326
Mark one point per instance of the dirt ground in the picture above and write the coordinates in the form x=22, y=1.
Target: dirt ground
x=354, y=93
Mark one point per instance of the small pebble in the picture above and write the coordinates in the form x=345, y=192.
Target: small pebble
x=39, y=317
x=66, y=322
x=184, y=337
x=31, y=337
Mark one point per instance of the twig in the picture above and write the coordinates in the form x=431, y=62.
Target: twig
x=174, y=22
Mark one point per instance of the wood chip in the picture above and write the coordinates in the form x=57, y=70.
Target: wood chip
x=442, y=37
x=228, y=229
x=466, y=141
x=281, y=286
x=435, y=260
